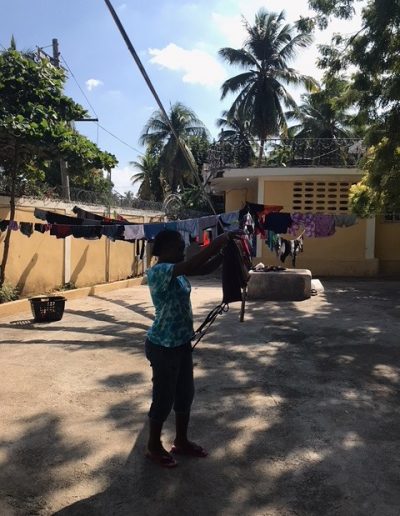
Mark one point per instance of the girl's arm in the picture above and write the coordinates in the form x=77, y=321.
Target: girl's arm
x=212, y=265
x=194, y=265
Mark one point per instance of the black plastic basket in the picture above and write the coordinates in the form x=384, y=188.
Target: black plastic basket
x=47, y=309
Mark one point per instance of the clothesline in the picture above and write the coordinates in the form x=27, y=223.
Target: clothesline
x=63, y=226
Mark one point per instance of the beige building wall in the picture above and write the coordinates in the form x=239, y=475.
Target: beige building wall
x=237, y=198
x=349, y=252
x=42, y=263
x=388, y=246
x=342, y=254
x=36, y=262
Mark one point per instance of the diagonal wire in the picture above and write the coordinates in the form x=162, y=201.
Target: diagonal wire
x=119, y=139
x=79, y=86
x=158, y=100
x=94, y=111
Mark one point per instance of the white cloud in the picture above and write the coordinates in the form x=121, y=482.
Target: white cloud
x=231, y=28
x=122, y=7
x=198, y=66
x=93, y=83
x=121, y=177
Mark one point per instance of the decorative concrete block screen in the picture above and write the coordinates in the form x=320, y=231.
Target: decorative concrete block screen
x=323, y=197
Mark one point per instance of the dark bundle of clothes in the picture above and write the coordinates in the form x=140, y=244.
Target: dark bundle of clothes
x=235, y=270
x=235, y=276
x=285, y=248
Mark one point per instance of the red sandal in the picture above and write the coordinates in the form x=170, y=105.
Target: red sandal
x=165, y=461
x=194, y=450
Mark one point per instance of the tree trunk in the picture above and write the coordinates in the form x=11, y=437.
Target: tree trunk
x=12, y=215
x=261, y=152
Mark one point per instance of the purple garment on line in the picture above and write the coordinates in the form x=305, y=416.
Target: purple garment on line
x=302, y=221
x=324, y=225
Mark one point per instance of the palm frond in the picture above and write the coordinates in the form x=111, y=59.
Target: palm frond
x=233, y=84
x=238, y=57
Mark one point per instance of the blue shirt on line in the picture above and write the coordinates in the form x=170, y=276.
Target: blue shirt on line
x=173, y=324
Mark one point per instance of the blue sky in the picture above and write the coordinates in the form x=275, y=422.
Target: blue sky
x=177, y=41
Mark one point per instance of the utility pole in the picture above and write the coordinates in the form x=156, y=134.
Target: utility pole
x=63, y=165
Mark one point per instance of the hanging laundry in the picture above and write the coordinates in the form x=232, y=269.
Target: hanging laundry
x=278, y=222
x=171, y=226
x=271, y=239
x=297, y=247
x=324, y=225
x=26, y=228
x=13, y=225
x=144, y=243
x=152, y=230
x=42, y=228
x=40, y=214
x=87, y=232
x=57, y=218
x=230, y=221
x=249, y=224
x=258, y=213
x=87, y=215
x=133, y=232
x=302, y=221
x=113, y=232
x=61, y=230
x=209, y=222
x=235, y=271
x=345, y=220
x=285, y=248
x=4, y=225
x=188, y=228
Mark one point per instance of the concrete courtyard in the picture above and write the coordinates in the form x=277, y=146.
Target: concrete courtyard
x=298, y=407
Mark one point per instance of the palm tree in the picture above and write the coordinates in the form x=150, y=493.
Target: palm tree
x=236, y=132
x=270, y=46
x=157, y=132
x=322, y=114
x=149, y=176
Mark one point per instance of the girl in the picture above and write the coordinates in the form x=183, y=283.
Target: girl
x=168, y=346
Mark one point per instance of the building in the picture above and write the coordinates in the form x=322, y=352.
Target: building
x=312, y=176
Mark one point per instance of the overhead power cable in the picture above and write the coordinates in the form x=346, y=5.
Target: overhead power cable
x=79, y=86
x=192, y=166
x=119, y=139
x=94, y=111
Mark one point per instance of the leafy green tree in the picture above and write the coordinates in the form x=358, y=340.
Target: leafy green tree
x=375, y=85
x=35, y=118
x=149, y=176
x=265, y=57
x=174, y=167
x=322, y=113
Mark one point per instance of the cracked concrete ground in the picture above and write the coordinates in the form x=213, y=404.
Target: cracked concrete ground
x=298, y=407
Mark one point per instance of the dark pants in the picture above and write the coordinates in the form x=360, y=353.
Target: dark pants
x=173, y=385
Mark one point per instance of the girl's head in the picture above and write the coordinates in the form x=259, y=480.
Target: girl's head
x=169, y=246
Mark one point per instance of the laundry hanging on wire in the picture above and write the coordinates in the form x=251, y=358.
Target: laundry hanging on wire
x=94, y=227
x=269, y=222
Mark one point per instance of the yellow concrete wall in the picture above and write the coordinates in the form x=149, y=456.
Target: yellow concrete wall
x=88, y=261
x=36, y=264
x=236, y=199
x=342, y=254
x=387, y=246
x=123, y=261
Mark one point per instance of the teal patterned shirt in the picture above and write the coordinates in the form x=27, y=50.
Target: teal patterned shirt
x=173, y=324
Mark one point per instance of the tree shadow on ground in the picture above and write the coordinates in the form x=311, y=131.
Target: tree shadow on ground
x=29, y=472
x=299, y=410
